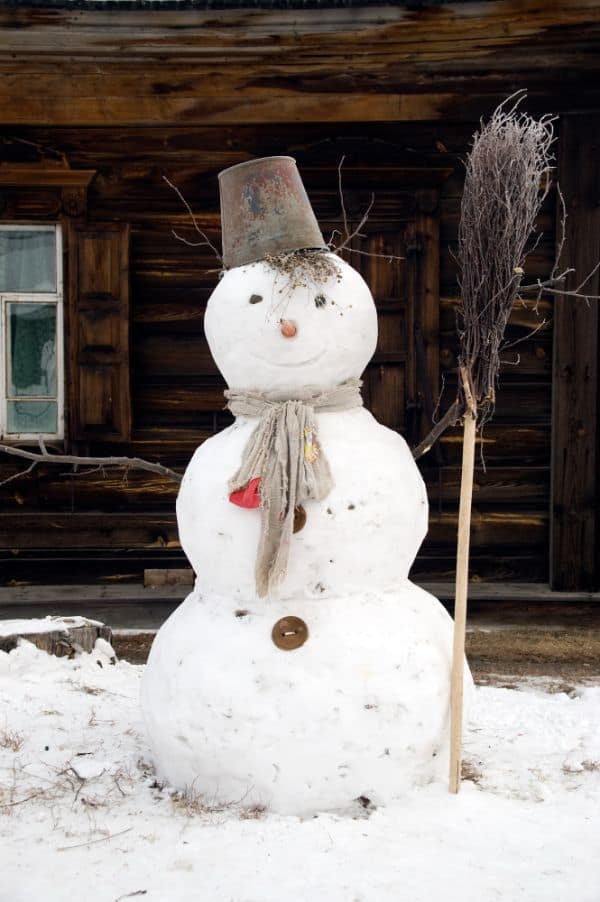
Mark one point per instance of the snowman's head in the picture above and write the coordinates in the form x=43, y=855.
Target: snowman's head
x=268, y=334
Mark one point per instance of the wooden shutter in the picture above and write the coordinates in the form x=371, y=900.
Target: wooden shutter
x=401, y=382
x=99, y=395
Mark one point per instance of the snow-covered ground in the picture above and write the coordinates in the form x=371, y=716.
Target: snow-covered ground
x=83, y=818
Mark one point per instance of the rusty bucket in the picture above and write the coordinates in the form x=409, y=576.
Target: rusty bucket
x=265, y=210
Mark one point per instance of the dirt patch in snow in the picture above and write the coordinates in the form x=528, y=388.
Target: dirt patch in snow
x=570, y=655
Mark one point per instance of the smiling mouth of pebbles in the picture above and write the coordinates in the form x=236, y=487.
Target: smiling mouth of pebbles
x=305, y=268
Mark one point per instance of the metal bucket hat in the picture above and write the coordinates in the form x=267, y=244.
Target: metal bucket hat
x=265, y=210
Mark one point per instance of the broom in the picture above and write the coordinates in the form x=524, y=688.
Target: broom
x=507, y=180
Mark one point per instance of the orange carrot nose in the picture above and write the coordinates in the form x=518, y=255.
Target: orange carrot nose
x=288, y=328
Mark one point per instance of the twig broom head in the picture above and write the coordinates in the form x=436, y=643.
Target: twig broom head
x=507, y=179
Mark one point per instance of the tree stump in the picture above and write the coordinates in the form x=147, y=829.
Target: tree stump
x=60, y=636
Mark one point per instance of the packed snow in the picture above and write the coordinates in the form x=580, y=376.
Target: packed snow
x=83, y=816
x=47, y=624
x=366, y=694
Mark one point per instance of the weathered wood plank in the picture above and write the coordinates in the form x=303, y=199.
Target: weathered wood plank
x=54, y=566
x=492, y=529
x=168, y=576
x=499, y=487
x=509, y=563
x=503, y=444
x=292, y=65
x=89, y=530
x=575, y=531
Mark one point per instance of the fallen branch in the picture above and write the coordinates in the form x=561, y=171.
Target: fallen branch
x=45, y=457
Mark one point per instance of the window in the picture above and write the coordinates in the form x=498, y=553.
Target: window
x=31, y=332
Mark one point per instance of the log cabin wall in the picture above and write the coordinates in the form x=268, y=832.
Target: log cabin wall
x=133, y=94
x=108, y=527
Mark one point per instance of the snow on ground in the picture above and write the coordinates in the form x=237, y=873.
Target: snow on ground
x=82, y=817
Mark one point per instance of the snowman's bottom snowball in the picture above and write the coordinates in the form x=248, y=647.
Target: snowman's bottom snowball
x=361, y=709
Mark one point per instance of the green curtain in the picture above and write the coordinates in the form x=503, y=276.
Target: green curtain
x=32, y=350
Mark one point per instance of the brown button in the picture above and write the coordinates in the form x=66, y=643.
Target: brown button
x=299, y=518
x=289, y=633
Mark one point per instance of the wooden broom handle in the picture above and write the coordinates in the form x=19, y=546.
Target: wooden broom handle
x=462, y=579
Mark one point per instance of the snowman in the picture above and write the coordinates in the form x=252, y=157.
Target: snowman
x=305, y=671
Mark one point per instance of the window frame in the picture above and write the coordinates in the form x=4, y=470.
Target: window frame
x=34, y=297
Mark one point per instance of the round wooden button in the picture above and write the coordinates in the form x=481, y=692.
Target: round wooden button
x=289, y=633
x=299, y=518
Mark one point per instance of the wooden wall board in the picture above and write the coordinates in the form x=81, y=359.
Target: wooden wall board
x=575, y=536
x=238, y=66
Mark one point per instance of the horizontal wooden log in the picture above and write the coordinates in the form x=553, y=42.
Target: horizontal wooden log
x=527, y=314
x=168, y=576
x=538, y=266
x=503, y=445
x=146, y=530
x=498, y=487
x=530, y=358
x=518, y=401
x=501, y=565
x=491, y=529
x=206, y=148
x=66, y=493
x=173, y=355
x=187, y=309
x=287, y=65
x=84, y=565
x=88, y=530
x=509, y=564
x=171, y=399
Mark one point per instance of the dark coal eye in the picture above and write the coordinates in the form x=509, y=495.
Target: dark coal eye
x=255, y=298
x=320, y=300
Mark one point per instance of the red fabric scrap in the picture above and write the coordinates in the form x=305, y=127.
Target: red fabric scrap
x=249, y=496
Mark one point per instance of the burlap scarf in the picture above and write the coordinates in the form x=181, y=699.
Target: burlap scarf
x=284, y=452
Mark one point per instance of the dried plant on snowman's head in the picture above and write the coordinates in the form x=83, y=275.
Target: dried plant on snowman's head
x=507, y=179
x=304, y=268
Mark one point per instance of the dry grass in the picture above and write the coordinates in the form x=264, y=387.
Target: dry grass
x=305, y=269
x=192, y=803
x=575, y=645
x=470, y=772
x=253, y=813
x=586, y=766
x=10, y=739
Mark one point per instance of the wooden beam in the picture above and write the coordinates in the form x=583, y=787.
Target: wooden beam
x=453, y=61
x=575, y=521
x=34, y=176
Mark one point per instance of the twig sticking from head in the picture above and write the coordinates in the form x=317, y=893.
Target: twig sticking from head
x=206, y=242
x=357, y=232
x=341, y=193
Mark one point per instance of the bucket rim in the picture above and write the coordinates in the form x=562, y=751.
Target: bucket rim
x=254, y=162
